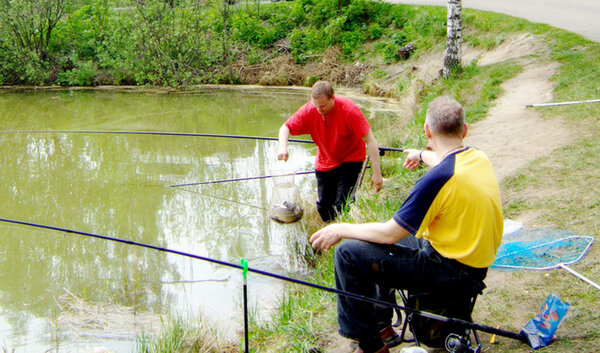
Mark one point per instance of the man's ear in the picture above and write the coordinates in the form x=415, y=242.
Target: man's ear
x=427, y=131
x=465, y=129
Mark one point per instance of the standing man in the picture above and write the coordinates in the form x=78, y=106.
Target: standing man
x=340, y=131
x=444, y=236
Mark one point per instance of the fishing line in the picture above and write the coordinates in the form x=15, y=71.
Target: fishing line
x=425, y=314
x=165, y=133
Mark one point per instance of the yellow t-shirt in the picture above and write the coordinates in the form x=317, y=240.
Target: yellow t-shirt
x=456, y=206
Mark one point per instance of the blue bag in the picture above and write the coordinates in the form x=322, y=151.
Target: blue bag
x=540, y=330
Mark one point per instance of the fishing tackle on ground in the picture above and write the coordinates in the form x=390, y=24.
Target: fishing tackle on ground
x=542, y=249
x=540, y=330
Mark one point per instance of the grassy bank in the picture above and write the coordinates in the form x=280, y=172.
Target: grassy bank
x=186, y=42
x=301, y=41
x=556, y=191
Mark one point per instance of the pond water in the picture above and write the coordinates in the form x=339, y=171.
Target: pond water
x=71, y=293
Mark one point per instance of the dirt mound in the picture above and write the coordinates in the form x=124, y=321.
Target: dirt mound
x=517, y=47
x=283, y=71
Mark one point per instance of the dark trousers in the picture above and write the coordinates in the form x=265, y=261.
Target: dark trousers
x=335, y=189
x=373, y=270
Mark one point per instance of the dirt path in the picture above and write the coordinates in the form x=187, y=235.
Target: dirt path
x=513, y=135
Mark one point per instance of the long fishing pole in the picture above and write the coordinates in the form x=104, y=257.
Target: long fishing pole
x=258, y=177
x=463, y=323
x=166, y=133
x=223, y=199
x=562, y=103
x=240, y=179
x=159, y=133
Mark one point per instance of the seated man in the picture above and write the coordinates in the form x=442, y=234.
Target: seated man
x=445, y=234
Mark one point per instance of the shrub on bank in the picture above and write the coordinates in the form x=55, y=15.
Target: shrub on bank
x=186, y=42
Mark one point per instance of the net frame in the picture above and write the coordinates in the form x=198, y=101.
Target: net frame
x=547, y=244
x=540, y=243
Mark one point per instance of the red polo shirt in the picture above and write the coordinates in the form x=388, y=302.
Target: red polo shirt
x=338, y=135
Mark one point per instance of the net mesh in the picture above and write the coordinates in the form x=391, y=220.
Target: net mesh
x=540, y=249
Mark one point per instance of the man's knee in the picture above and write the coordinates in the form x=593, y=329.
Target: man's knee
x=353, y=253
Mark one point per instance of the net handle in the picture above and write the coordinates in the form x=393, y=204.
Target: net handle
x=581, y=277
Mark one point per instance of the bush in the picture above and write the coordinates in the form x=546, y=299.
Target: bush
x=82, y=75
x=349, y=41
x=305, y=44
x=375, y=31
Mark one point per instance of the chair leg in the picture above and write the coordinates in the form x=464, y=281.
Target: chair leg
x=405, y=323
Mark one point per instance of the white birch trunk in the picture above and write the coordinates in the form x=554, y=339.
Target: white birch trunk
x=454, y=39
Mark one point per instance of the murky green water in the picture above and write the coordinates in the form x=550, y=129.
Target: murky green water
x=69, y=292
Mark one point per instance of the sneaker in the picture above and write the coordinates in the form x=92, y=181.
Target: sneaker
x=389, y=337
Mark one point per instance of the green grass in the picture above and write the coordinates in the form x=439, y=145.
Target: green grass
x=185, y=336
x=559, y=190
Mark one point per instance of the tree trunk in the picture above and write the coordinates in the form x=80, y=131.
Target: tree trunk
x=226, y=33
x=454, y=39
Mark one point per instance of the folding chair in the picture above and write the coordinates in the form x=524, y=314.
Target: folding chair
x=454, y=303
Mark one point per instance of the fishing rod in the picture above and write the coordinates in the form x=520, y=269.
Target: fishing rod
x=259, y=177
x=224, y=199
x=166, y=133
x=240, y=179
x=518, y=336
x=562, y=103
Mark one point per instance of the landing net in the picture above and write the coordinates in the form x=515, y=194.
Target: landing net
x=540, y=249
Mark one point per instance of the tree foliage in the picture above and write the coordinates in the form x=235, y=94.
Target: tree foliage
x=183, y=42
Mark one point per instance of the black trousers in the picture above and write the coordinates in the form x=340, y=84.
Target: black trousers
x=335, y=189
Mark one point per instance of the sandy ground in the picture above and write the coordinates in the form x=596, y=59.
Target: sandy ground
x=511, y=134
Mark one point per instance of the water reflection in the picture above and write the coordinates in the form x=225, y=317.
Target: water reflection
x=115, y=185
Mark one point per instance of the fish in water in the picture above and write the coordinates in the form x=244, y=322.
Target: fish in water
x=286, y=212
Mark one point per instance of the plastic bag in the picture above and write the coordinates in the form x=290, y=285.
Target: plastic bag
x=540, y=330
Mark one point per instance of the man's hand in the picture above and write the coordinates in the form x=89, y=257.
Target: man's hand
x=377, y=181
x=327, y=237
x=373, y=153
x=282, y=150
x=282, y=154
x=412, y=158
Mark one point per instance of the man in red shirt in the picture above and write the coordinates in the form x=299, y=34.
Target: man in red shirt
x=340, y=131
